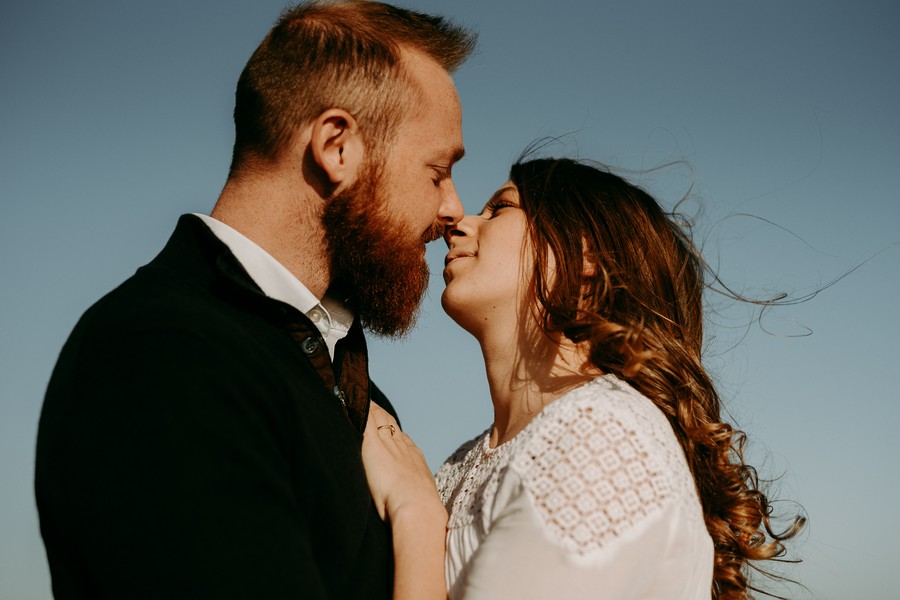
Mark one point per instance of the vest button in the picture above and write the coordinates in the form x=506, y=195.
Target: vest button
x=309, y=345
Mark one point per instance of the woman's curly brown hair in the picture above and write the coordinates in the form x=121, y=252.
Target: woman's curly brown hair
x=639, y=307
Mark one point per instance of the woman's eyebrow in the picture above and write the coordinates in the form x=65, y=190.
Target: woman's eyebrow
x=497, y=195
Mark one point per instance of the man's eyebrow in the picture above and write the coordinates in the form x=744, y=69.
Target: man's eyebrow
x=458, y=154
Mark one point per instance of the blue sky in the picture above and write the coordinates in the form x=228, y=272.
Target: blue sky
x=115, y=117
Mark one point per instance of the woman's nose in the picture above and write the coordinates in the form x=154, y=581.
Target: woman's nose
x=463, y=228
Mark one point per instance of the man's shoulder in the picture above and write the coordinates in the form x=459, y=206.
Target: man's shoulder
x=170, y=284
x=152, y=298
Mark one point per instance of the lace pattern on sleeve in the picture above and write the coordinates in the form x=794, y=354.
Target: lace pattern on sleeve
x=596, y=463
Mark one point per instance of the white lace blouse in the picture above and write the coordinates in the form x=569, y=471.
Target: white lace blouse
x=593, y=499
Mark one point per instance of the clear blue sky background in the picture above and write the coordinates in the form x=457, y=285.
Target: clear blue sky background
x=115, y=119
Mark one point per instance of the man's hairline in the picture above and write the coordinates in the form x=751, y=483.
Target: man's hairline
x=407, y=55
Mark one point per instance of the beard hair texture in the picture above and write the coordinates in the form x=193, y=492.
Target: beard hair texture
x=374, y=260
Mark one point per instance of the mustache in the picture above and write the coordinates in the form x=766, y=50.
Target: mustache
x=435, y=232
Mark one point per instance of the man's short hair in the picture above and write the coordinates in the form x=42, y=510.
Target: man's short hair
x=343, y=54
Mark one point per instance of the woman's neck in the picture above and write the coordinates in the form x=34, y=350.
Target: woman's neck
x=527, y=372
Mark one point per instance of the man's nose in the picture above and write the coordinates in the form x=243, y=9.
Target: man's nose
x=451, y=210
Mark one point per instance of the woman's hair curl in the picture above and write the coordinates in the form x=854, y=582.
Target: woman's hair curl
x=614, y=271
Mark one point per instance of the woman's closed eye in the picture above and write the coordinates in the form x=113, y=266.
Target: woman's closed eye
x=495, y=206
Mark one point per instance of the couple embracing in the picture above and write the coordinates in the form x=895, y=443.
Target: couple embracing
x=210, y=429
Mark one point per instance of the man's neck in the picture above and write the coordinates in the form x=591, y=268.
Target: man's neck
x=284, y=220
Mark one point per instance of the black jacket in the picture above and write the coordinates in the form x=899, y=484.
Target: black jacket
x=196, y=442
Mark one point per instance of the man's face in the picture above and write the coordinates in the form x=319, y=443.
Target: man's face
x=417, y=168
x=378, y=228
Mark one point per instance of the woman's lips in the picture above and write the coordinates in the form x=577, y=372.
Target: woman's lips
x=455, y=255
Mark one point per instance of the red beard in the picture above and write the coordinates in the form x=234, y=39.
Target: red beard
x=375, y=260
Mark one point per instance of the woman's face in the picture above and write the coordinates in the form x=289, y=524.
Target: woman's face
x=488, y=264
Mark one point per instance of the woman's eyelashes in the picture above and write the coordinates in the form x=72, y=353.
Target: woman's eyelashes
x=495, y=206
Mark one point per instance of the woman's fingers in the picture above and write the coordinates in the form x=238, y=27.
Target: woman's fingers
x=396, y=468
x=381, y=420
x=388, y=428
x=385, y=424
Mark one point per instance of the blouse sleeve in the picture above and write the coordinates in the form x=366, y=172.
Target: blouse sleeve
x=589, y=508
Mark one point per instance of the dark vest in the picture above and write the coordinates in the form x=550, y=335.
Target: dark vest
x=197, y=441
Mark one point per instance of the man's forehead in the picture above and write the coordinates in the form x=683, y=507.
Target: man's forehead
x=434, y=83
x=436, y=118
x=441, y=139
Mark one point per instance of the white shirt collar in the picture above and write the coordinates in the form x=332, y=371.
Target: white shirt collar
x=330, y=315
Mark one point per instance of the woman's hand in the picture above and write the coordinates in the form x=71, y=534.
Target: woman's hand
x=405, y=494
x=398, y=474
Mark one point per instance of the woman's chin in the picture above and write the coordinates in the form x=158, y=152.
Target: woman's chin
x=448, y=304
x=455, y=308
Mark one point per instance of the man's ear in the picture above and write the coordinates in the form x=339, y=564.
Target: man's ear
x=337, y=146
